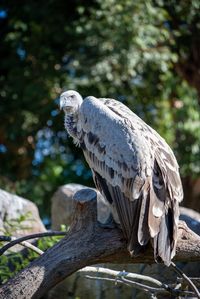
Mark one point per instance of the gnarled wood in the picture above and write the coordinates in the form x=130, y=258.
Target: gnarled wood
x=85, y=244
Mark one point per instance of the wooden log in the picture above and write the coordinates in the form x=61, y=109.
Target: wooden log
x=87, y=243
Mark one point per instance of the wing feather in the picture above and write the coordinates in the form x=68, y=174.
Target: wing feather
x=130, y=225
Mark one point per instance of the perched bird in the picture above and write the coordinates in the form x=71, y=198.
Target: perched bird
x=133, y=167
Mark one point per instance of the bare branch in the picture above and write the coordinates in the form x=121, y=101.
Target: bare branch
x=14, y=240
x=87, y=243
x=32, y=247
x=126, y=277
x=122, y=274
x=187, y=279
x=136, y=285
x=5, y=238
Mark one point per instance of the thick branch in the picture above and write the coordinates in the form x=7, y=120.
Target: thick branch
x=85, y=244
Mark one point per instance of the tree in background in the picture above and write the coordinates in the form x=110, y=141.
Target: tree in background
x=143, y=53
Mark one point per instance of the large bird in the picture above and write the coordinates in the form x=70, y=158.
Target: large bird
x=133, y=167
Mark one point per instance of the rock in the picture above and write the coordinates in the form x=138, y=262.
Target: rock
x=12, y=209
x=192, y=219
x=62, y=205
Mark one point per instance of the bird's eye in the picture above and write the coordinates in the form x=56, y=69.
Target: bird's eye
x=72, y=96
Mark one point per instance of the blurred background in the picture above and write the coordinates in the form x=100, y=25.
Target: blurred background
x=143, y=53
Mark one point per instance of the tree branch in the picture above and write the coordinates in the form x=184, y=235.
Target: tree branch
x=87, y=243
x=14, y=241
x=187, y=279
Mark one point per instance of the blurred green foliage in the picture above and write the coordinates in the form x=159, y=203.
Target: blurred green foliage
x=143, y=53
x=12, y=262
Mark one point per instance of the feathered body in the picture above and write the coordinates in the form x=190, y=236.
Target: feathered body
x=133, y=167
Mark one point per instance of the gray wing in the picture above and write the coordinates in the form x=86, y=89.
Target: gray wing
x=124, y=155
x=162, y=152
x=166, y=184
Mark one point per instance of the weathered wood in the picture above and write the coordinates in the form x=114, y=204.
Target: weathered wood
x=85, y=244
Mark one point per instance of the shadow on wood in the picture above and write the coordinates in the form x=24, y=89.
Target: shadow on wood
x=87, y=243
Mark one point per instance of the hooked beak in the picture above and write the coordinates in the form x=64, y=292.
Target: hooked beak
x=61, y=102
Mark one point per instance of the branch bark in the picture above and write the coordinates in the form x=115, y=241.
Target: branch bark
x=87, y=243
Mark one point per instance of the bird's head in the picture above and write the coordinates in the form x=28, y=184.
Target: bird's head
x=70, y=101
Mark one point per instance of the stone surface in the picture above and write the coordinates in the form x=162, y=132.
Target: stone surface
x=192, y=219
x=62, y=205
x=12, y=208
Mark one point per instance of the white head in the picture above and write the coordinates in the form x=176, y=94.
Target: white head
x=70, y=101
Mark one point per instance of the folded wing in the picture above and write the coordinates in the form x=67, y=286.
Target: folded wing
x=135, y=170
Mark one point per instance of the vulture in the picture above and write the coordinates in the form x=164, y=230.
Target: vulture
x=132, y=166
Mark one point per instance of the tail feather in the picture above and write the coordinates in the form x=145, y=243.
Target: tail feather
x=134, y=246
x=163, y=241
x=152, y=216
x=143, y=227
